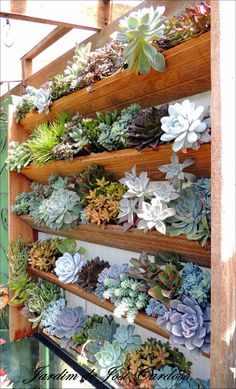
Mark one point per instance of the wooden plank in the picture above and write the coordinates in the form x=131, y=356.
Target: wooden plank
x=143, y=320
x=51, y=38
x=187, y=63
x=26, y=67
x=132, y=240
x=19, y=326
x=223, y=274
x=118, y=162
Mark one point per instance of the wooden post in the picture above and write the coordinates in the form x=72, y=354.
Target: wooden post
x=223, y=340
x=26, y=69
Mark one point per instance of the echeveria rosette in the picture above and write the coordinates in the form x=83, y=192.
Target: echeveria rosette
x=167, y=377
x=67, y=267
x=42, y=98
x=51, y=314
x=155, y=308
x=153, y=215
x=187, y=125
x=70, y=322
x=188, y=324
x=126, y=339
x=110, y=355
x=174, y=172
x=128, y=211
x=138, y=186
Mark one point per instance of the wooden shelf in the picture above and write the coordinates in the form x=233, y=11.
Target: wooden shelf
x=187, y=73
x=132, y=240
x=118, y=162
x=142, y=319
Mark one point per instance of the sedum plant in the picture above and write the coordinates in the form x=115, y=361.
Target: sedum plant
x=187, y=125
x=127, y=340
x=43, y=255
x=139, y=30
x=67, y=268
x=19, y=156
x=109, y=356
x=145, y=130
x=114, y=272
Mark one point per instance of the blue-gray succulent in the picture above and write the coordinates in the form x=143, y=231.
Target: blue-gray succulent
x=51, y=314
x=112, y=272
x=110, y=355
x=67, y=267
x=127, y=341
x=155, y=308
x=42, y=98
x=196, y=283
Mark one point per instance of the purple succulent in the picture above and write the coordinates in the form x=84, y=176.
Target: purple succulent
x=188, y=324
x=71, y=321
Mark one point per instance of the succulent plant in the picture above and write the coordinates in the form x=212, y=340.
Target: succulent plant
x=127, y=341
x=193, y=22
x=61, y=210
x=43, y=255
x=114, y=272
x=189, y=214
x=126, y=295
x=41, y=190
x=99, y=334
x=138, y=186
x=139, y=30
x=154, y=308
x=19, y=156
x=188, y=325
x=60, y=86
x=168, y=282
x=67, y=268
x=75, y=67
x=167, y=377
x=204, y=186
x=42, y=98
x=25, y=103
x=145, y=130
x=103, y=202
x=187, y=125
x=114, y=134
x=79, y=339
x=110, y=355
x=153, y=215
x=25, y=203
x=174, y=172
x=50, y=316
x=71, y=321
x=196, y=283
x=88, y=275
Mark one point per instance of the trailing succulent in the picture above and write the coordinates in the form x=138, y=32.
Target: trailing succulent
x=187, y=125
x=193, y=22
x=188, y=324
x=103, y=202
x=43, y=255
x=153, y=354
x=126, y=295
x=138, y=31
x=145, y=130
x=88, y=275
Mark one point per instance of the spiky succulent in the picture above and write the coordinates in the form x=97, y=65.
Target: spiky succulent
x=19, y=156
x=187, y=125
x=103, y=202
x=145, y=130
x=88, y=275
x=42, y=98
x=25, y=103
x=152, y=355
x=109, y=272
x=99, y=334
x=25, y=203
x=193, y=22
x=196, y=283
x=188, y=324
x=51, y=314
x=126, y=295
x=109, y=356
x=190, y=215
x=139, y=30
x=67, y=267
x=126, y=338
x=43, y=254
x=114, y=133
x=174, y=172
x=60, y=211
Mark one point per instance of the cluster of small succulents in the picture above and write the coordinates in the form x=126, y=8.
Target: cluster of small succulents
x=43, y=255
x=103, y=202
x=196, y=283
x=113, y=272
x=19, y=156
x=25, y=203
x=126, y=295
x=25, y=104
x=193, y=22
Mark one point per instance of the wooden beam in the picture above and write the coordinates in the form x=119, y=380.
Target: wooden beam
x=223, y=259
x=26, y=66
x=51, y=38
x=35, y=19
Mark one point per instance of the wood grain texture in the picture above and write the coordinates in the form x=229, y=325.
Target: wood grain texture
x=187, y=72
x=17, y=183
x=118, y=162
x=141, y=319
x=132, y=240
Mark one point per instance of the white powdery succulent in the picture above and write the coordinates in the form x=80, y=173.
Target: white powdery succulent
x=67, y=268
x=42, y=98
x=187, y=125
x=138, y=186
x=128, y=209
x=153, y=215
x=166, y=192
